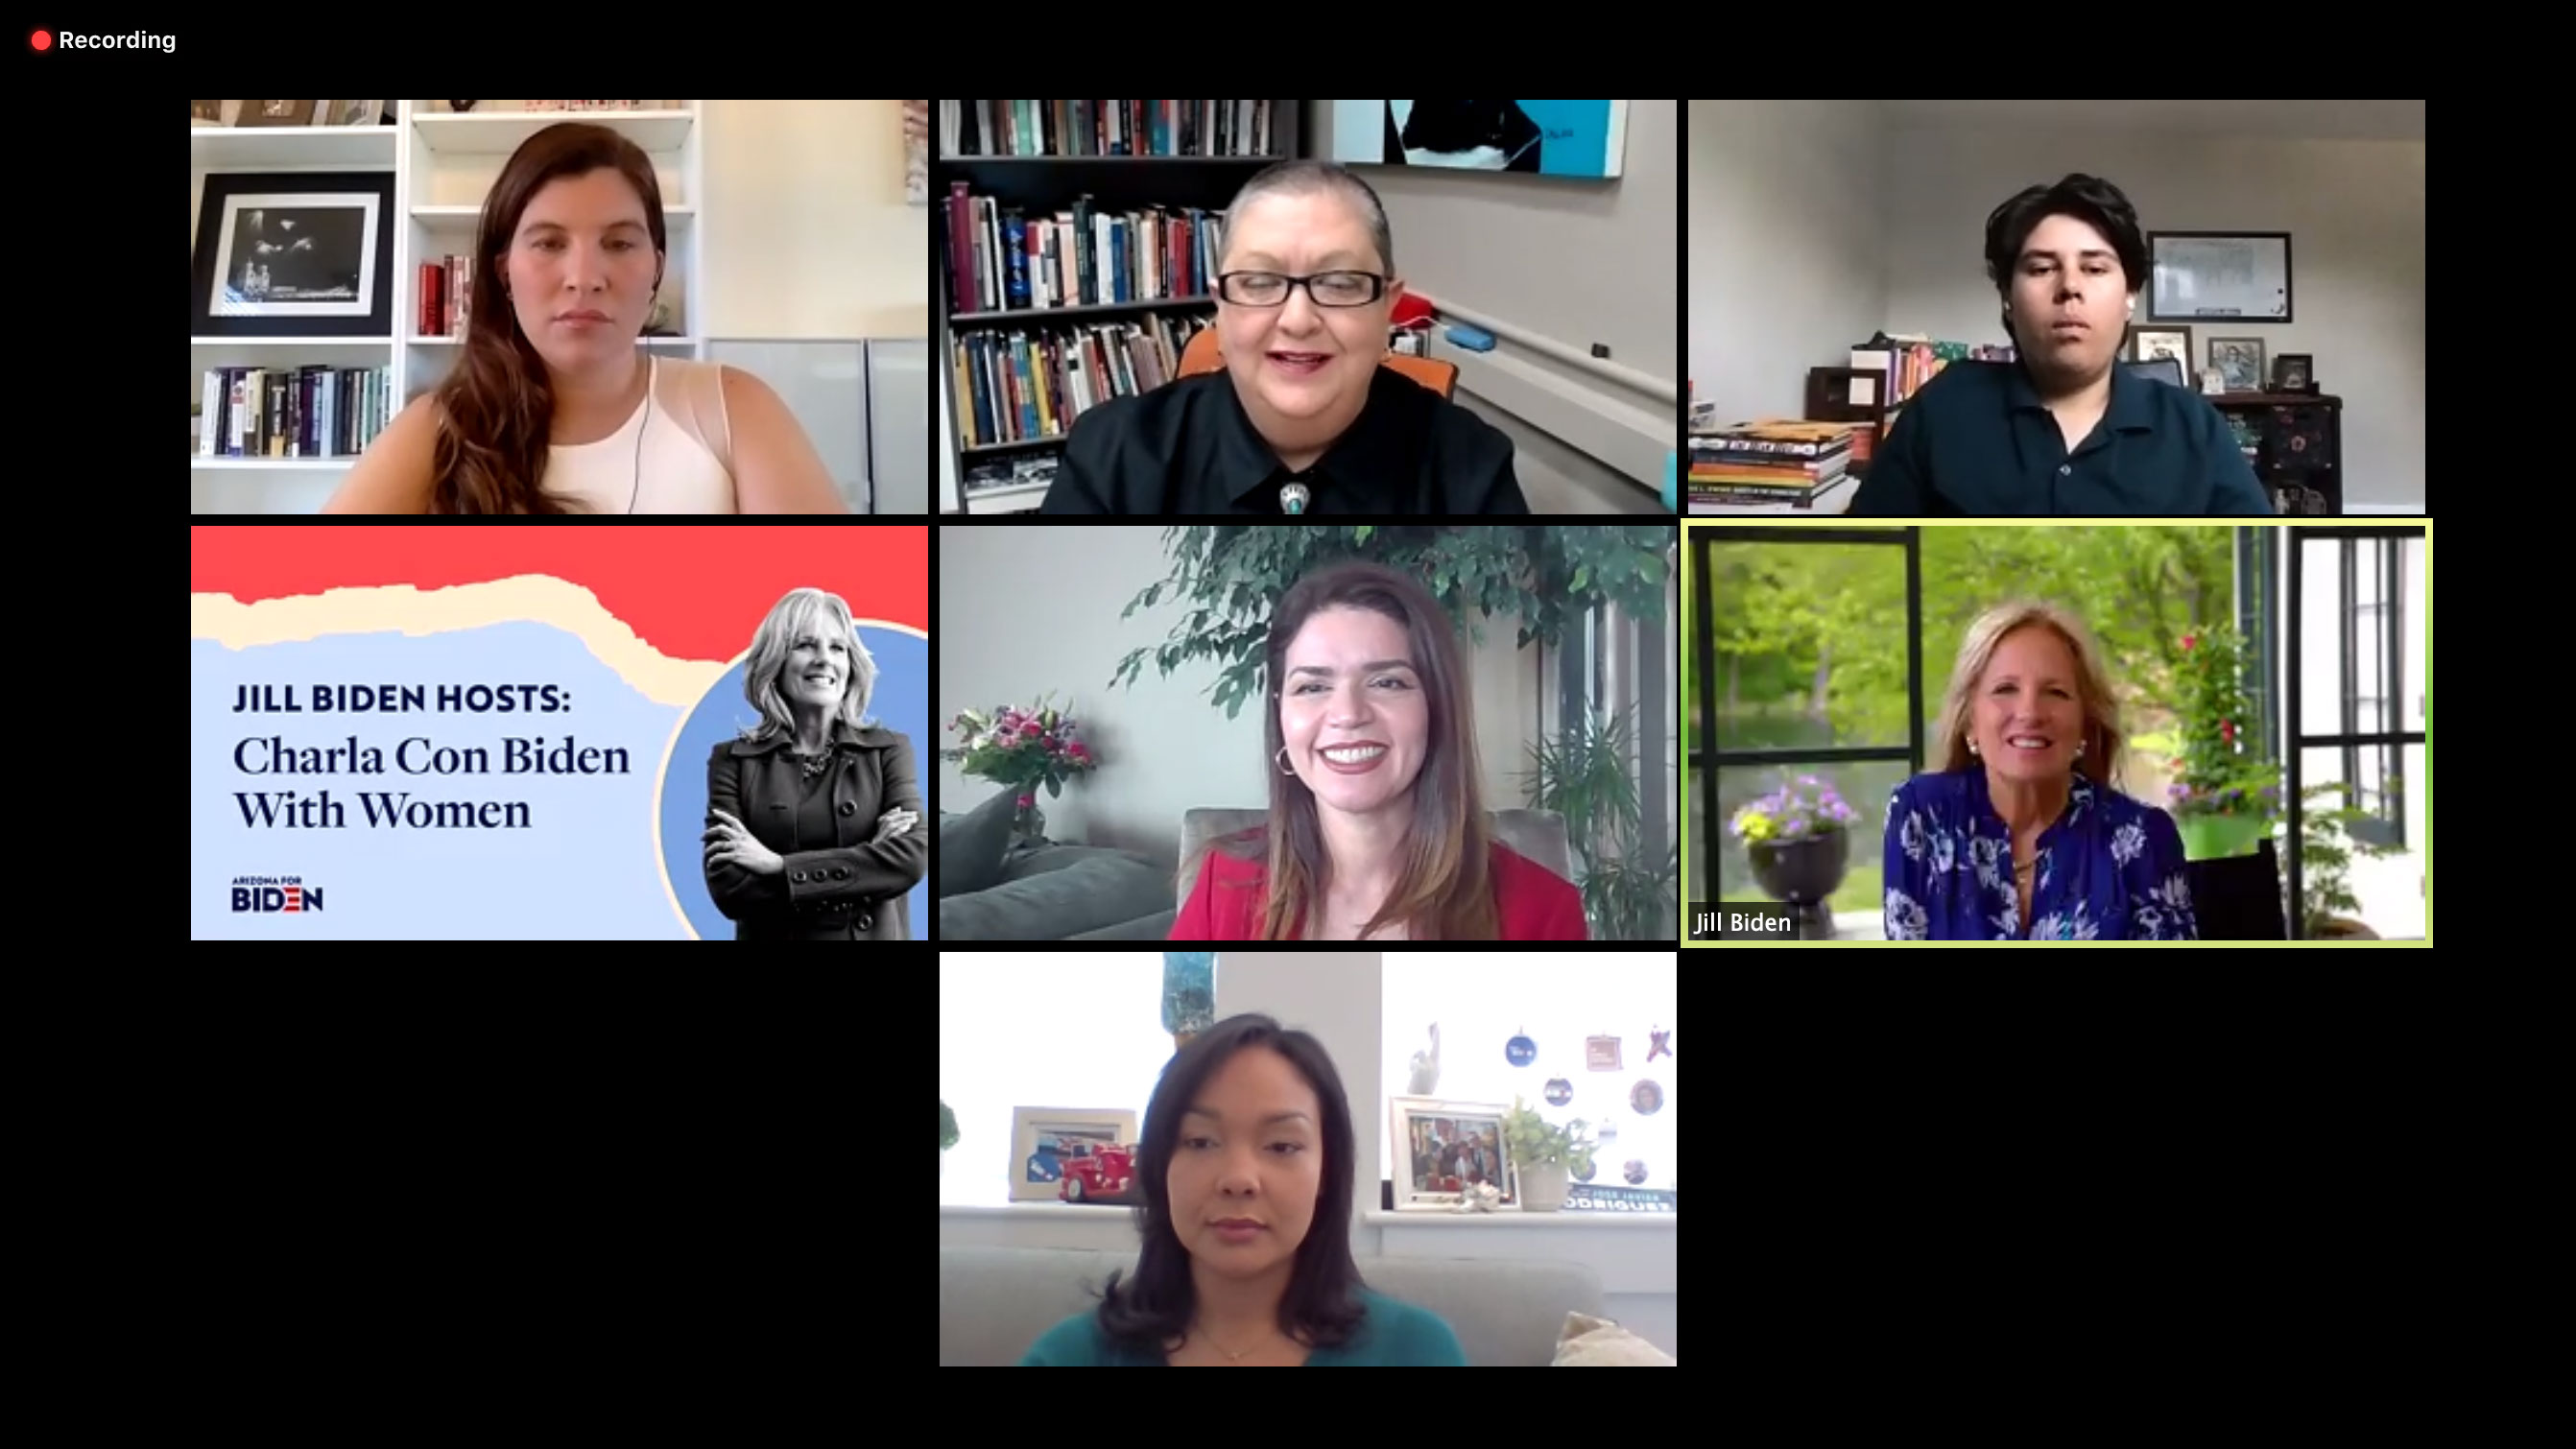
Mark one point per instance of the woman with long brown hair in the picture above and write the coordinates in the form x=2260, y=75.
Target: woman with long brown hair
x=552, y=408
x=1377, y=826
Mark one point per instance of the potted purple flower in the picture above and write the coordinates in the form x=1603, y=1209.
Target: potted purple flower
x=1798, y=839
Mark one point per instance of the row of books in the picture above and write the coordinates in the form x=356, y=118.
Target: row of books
x=446, y=290
x=1029, y=384
x=1106, y=128
x=1786, y=463
x=306, y=412
x=1002, y=258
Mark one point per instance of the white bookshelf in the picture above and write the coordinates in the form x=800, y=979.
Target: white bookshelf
x=443, y=164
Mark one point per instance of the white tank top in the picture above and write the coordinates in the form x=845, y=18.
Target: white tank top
x=671, y=456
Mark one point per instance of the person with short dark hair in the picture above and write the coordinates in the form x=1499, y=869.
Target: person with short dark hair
x=2062, y=429
x=1303, y=418
x=1247, y=1170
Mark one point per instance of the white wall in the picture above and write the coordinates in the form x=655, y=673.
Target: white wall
x=2354, y=209
x=1787, y=238
x=1580, y=262
x=808, y=234
x=1026, y=610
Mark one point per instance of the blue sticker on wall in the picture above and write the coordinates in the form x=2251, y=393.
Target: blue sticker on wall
x=1520, y=1051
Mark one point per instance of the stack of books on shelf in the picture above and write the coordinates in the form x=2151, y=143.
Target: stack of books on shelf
x=1771, y=465
x=1105, y=128
x=1000, y=259
x=1026, y=385
x=304, y=412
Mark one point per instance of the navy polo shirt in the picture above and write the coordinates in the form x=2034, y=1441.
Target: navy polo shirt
x=1976, y=441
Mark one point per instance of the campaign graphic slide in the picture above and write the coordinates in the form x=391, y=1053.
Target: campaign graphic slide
x=516, y=732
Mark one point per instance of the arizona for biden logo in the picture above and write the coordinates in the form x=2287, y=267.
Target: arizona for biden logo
x=265, y=893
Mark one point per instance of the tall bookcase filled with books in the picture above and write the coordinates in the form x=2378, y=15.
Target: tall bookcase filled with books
x=265, y=450
x=1077, y=244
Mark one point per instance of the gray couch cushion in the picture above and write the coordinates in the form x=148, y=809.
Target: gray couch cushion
x=1096, y=888
x=994, y=1302
x=971, y=846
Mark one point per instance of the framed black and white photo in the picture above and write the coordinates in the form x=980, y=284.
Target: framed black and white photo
x=2238, y=361
x=2218, y=276
x=295, y=254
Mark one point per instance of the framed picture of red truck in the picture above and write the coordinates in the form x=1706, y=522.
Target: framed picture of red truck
x=1073, y=1154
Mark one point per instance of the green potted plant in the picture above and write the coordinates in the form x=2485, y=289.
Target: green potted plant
x=1545, y=1156
x=1584, y=775
x=1020, y=750
x=1798, y=841
x=2328, y=910
x=2226, y=795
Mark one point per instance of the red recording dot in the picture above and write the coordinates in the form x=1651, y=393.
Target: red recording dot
x=42, y=40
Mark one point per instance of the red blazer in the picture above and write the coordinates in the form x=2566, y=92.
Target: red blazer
x=1534, y=905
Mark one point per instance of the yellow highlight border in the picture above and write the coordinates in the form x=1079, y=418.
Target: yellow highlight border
x=1687, y=640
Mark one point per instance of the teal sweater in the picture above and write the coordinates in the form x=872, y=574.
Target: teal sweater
x=1393, y=1334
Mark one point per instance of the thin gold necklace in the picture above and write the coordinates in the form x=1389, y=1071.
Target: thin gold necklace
x=1212, y=1343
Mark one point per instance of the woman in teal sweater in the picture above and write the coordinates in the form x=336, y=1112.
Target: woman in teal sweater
x=1246, y=1170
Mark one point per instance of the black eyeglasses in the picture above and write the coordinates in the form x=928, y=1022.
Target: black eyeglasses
x=1327, y=289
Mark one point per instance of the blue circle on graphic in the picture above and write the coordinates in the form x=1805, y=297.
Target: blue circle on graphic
x=1520, y=1051
x=901, y=704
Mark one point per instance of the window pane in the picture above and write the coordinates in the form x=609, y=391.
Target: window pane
x=2410, y=707
x=1810, y=644
x=993, y=1058
x=2321, y=628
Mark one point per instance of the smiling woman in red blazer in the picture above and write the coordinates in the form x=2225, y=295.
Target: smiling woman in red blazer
x=1377, y=829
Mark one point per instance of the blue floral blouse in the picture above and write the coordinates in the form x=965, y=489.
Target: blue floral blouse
x=2110, y=869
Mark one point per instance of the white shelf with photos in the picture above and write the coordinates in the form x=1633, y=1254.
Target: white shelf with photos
x=442, y=163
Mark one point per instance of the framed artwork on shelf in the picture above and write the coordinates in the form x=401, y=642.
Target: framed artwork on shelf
x=2147, y=343
x=1440, y=1148
x=1070, y=1154
x=294, y=254
x=2239, y=362
x=276, y=113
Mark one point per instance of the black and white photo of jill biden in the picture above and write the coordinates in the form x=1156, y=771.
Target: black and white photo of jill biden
x=814, y=826
x=297, y=254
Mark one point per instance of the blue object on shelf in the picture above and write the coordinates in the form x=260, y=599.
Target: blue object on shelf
x=1474, y=339
x=1671, y=467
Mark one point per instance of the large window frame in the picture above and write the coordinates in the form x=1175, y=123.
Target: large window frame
x=2390, y=640
x=1707, y=761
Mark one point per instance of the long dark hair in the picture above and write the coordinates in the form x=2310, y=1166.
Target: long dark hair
x=1444, y=889
x=1322, y=1305
x=498, y=404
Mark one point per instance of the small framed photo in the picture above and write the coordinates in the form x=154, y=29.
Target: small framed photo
x=276, y=113
x=2239, y=361
x=2294, y=372
x=295, y=254
x=353, y=113
x=1440, y=1148
x=1072, y=1154
x=2146, y=344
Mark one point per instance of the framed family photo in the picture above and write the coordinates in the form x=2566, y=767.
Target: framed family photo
x=1442, y=1147
x=295, y=254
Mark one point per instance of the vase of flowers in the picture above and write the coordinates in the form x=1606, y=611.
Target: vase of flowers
x=1021, y=750
x=1798, y=839
x=2224, y=795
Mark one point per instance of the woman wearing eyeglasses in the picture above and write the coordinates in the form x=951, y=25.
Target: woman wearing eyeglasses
x=1303, y=419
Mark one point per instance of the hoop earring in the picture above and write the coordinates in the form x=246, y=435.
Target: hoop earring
x=1282, y=758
